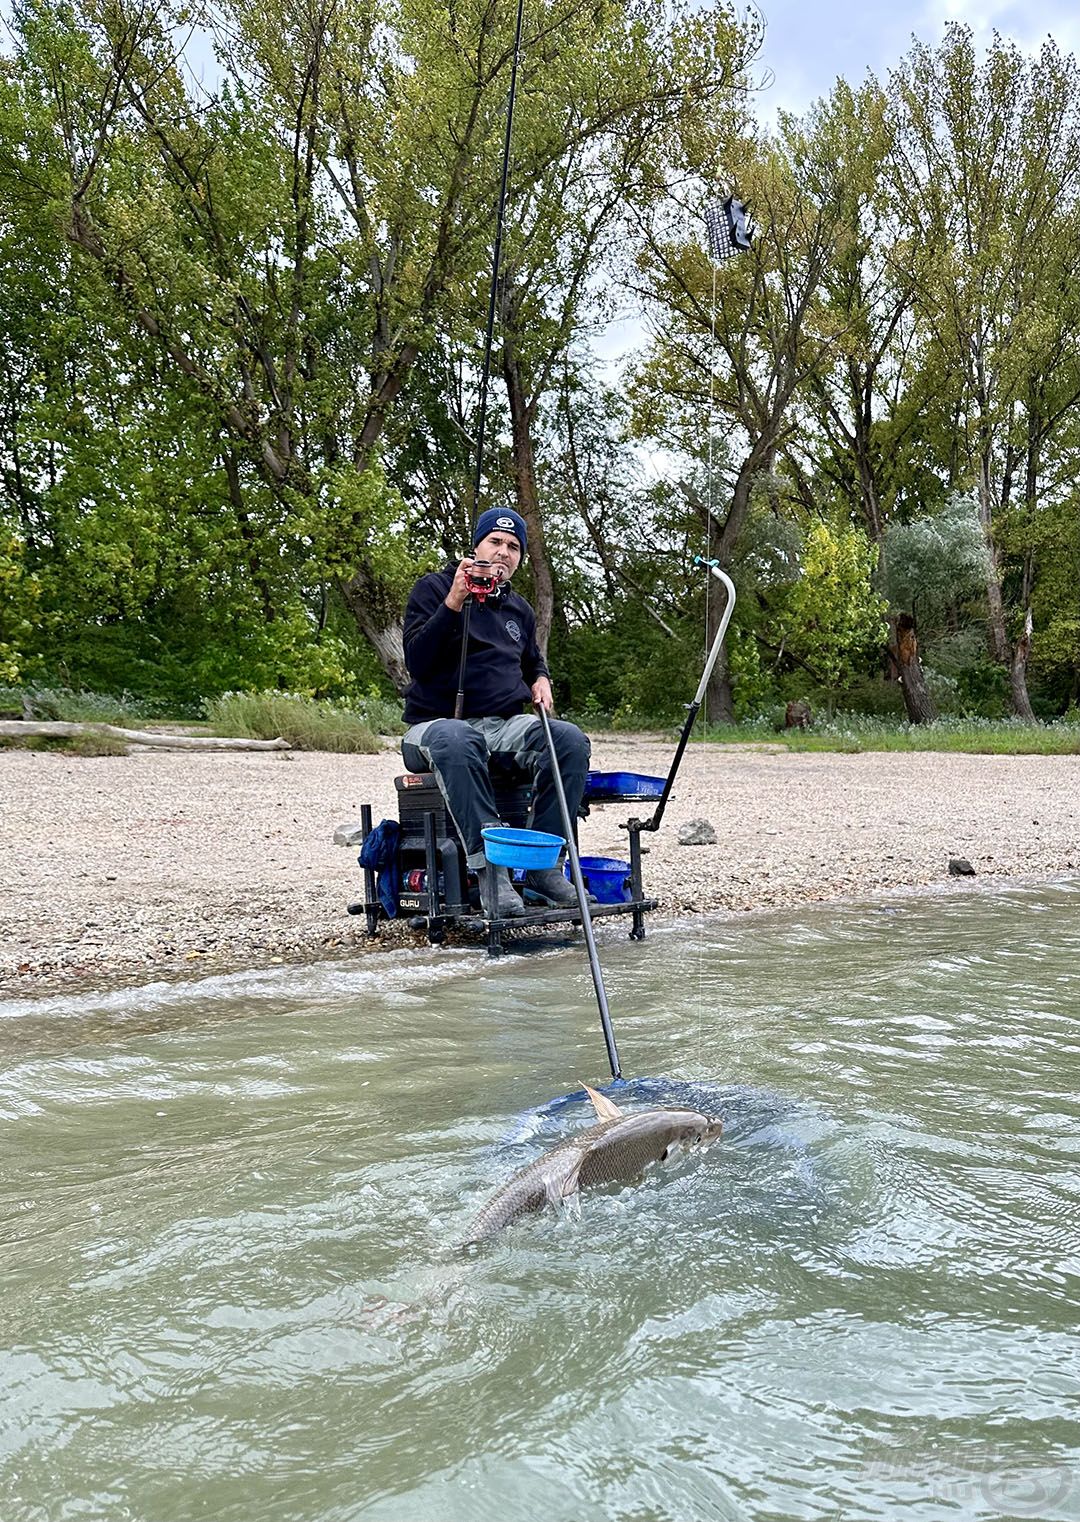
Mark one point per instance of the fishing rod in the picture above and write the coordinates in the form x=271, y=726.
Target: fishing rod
x=582, y=898
x=699, y=696
x=496, y=261
x=483, y=584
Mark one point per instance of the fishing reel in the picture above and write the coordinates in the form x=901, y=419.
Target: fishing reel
x=483, y=578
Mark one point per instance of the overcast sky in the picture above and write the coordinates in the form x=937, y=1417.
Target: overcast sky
x=807, y=46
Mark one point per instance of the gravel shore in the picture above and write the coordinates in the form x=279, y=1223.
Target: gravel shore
x=133, y=866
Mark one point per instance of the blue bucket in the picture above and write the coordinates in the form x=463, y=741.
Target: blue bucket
x=533, y=850
x=607, y=880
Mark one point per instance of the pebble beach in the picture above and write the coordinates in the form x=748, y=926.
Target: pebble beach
x=163, y=863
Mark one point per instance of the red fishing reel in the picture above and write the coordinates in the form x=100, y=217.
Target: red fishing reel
x=482, y=578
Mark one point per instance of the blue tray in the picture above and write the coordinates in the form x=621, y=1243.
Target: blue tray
x=630, y=787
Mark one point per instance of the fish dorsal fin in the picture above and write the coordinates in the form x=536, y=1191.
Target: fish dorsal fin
x=605, y=1108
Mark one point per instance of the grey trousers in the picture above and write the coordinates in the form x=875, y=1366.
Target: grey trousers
x=458, y=750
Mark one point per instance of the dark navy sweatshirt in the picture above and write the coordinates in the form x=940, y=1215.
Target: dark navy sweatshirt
x=503, y=662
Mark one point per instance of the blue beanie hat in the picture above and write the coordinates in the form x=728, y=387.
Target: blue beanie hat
x=502, y=518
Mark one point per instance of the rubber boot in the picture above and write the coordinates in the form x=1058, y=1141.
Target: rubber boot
x=497, y=897
x=550, y=883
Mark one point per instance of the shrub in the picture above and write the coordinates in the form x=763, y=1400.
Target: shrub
x=382, y=714
x=306, y=725
x=76, y=706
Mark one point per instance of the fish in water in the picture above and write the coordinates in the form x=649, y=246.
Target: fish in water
x=616, y=1150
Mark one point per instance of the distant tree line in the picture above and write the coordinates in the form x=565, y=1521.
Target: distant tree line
x=242, y=328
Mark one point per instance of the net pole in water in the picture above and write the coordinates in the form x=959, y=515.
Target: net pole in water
x=583, y=900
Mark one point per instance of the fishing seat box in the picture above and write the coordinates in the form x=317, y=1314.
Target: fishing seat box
x=418, y=795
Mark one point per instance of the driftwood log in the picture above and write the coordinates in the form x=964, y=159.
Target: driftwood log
x=21, y=729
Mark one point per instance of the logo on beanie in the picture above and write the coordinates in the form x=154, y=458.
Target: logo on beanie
x=505, y=523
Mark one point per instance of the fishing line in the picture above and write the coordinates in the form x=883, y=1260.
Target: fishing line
x=722, y=244
x=702, y=767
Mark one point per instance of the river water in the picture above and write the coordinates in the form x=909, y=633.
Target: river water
x=229, y=1209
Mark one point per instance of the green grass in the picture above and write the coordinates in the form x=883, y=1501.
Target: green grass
x=306, y=725
x=383, y=715
x=311, y=725
x=93, y=743
x=860, y=732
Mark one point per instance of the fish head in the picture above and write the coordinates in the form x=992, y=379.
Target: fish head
x=712, y=1128
x=691, y=1129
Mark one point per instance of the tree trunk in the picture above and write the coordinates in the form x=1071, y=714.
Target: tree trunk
x=999, y=637
x=719, y=697
x=379, y=621
x=524, y=463
x=1021, y=702
x=1014, y=658
x=904, y=649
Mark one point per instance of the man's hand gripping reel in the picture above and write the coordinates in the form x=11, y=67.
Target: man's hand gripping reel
x=482, y=578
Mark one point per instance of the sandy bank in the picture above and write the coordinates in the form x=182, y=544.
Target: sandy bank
x=136, y=865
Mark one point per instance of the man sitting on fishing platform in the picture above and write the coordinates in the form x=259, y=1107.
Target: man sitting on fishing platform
x=503, y=670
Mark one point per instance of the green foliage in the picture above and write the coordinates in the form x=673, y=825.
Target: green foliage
x=752, y=685
x=305, y=724
x=935, y=560
x=380, y=713
x=239, y=346
x=18, y=594
x=962, y=677
x=358, y=513
x=626, y=671
x=1053, y=536
x=832, y=616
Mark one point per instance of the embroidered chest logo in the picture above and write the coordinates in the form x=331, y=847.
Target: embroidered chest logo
x=513, y=629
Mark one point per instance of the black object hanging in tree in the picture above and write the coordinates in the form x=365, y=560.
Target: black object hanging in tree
x=728, y=228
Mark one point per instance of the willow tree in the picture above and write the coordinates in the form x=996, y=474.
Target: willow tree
x=864, y=407
x=987, y=157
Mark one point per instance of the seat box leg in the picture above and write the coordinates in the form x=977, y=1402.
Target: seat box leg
x=637, y=928
x=371, y=901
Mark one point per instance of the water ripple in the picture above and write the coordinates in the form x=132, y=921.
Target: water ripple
x=228, y=1214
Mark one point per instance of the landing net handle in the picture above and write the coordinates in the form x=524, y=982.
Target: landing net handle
x=699, y=696
x=582, y=898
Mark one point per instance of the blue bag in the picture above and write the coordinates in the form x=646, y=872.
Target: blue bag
x=380, y=852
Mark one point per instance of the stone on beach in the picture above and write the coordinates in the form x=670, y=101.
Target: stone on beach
x=697, y=832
